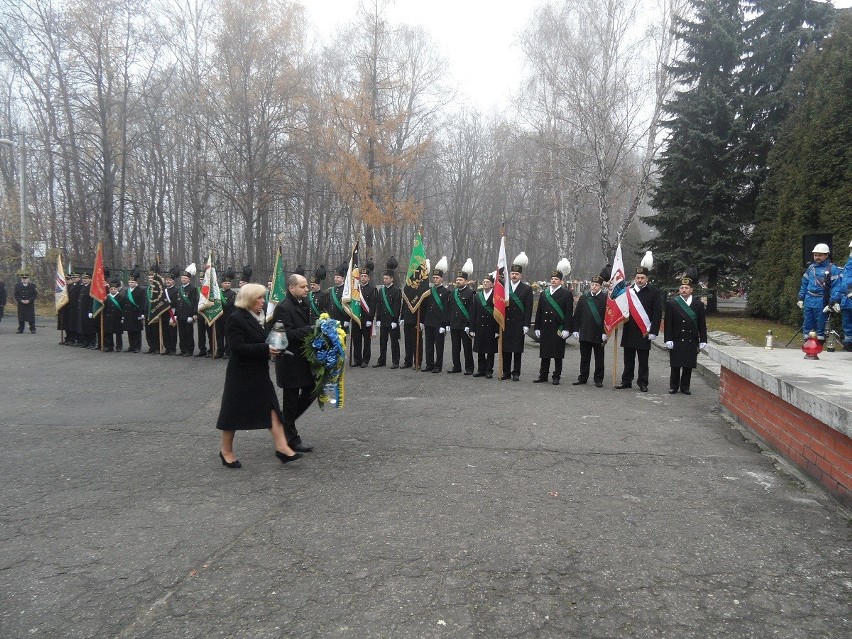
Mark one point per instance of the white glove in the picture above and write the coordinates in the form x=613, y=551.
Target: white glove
x=422, y=326
x=526, y=329
x=172, y=322
x=651, y=337
x=401, y=322
x=141, y=317
x=442, y=330
x=827, y=308
x=537, y=333
x=800, y=304
x=496, y=335
x=378, y=325
x=189, y=320
x=565, y=334
x=448, y=329
x=472, y=334
x=669, y=345
x=702, y=345
x=467, y=329
x=369, y=324
x=90, y=316
x=575, y=335
x=604, y=337
x=394, y=325
x=836, y=307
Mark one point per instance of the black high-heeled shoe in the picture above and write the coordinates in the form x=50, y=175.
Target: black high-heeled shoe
x=285, y=457
x=234, y=464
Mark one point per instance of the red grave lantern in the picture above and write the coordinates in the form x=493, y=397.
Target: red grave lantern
x=812, y=346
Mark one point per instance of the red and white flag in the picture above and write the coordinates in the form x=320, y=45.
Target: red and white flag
x=501, y=289
x=617, y=306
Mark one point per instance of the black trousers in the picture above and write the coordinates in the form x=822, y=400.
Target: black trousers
x=152, y=336
x=680, y=378
x=434, y=339
x=485, y=363
x=460, y=341
x=202, y=330
x=186, y=336
x=134, y=340
x=169, y=336
x=294, y=402
x=630, y=356
x=586, y=350
x=112, y=341
x=361, y=344
x=410, y=333
x=511, y=363
x=386, y=333
x=545, y=368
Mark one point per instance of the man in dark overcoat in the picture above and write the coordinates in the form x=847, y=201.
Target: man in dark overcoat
x=72, y=336
x=170, y=333
x=362, y=345
x=434, y=319
x=113, y=318
x=518, y=319
x=461, y=305
x=293, y=371
x=316, y=302
x=25, y=294
x=635, y=340
x=685, y=333
x=553, y=319
x=388, y=314
x=186, y=307
x=133, y=304
x=589, y=330
x=87, y=326
x=484, y=330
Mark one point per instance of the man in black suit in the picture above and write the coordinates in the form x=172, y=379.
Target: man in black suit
x=484, y=329
x=435, y=319
x=589, y=330
x=134, y=309
x=460, y=309
x=25, y=296
x=362, y=335
x=388, y=313
x=553, y=319
x=292, y=370
x=518, y=319
x=685, y=333
x=636, y=340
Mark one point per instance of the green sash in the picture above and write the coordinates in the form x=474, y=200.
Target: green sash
x=335, y=300
x=115, y=301
x=688, y=311
x=130, y=297
x=482, y=301
x=313, y=303
x=183, y=295
x=517, y=300
x=437, y=298
x=387, y=303
x=461, y=304
x=594, y=309
x=556, y=308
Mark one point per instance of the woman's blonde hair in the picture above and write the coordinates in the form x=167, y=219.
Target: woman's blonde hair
x=247, y=295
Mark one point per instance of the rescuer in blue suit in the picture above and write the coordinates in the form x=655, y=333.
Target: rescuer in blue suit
x=820, y=289
x=846, y=302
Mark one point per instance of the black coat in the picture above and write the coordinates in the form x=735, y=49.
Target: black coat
x=547, y=321
x=185, y=302
x=26, y=292
x=133, y=310
x=85, y=324
x=517, y=318
x=248, y=398
x=316, y=305
x=293, y=371
x=686, y=335
x=633, y=336
x=483, y=324
x=334, y=304
x=460, y=298
x=584, y=320
x=369, y=302
x=393, y=294
x=436, y=308
x=113, y=315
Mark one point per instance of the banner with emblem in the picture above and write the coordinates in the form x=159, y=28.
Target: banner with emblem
x=157, y=302
x=352, y=288
x=60, y=289
x=278, y=290
x=617, y=306
x=501, y=287
x=416, y=287
x=98, y=289
x=210, y=297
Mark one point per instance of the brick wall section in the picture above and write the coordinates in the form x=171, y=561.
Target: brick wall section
x=820, y=451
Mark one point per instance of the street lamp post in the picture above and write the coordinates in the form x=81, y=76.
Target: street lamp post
x=23, y=194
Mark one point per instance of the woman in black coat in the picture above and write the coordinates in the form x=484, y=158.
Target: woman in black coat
x=248, y=400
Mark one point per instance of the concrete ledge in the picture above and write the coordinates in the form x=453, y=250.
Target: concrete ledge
x=821, y=388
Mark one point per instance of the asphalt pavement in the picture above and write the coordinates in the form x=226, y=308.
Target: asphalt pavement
x=434, y=505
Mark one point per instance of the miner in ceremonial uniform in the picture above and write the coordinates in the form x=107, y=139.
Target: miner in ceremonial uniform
x=334, y=297
x=362, y=335
x=72, y=336
x=133, y=305
x=388, y=314
x=85, y=322
x=589, y=313
x=113, y=318
x=518, y=319
x=229, y=297
x=409, y=324
x=204, y=333
x=315, y=300
x=434, y=319
x=636, y=340
x=820, y=289
x=25, y=294
x=460, y=308
x=186, y=306
x=170, y=332
x=685, y=332
x=553, y=319
x=484, y=330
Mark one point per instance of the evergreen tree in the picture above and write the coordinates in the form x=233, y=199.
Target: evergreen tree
x=697, y=199
x=809, y=188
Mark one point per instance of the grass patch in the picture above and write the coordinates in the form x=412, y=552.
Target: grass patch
x=751, y=329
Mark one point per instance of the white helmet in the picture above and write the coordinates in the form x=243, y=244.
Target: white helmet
x=821, y=248
x=850, y=243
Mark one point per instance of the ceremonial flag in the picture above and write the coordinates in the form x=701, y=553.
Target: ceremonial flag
x=417, y=279
x=279, y=286
x=501, y=288
x=98, y=288
x=617, y=306
x=351, y=297
x=209, y=298
x=158, y=302
x=60, y=290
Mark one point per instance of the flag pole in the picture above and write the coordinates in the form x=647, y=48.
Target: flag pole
x=417, y=361
x=214, y=344
x=102, y=329
x=614, y=357
x=160, y=329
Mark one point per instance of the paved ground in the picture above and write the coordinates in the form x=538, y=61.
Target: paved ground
x=434, y=506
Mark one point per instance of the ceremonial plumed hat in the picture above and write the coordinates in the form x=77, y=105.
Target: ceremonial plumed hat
x=646, y=264
x=604, y=275
x=466, y=270
x=563, y=269
x=489, y=276
x=246, y=274
x=368, y=267
x=154, y=269
x=319, y=274
x=190, y=270
x=519, y=263
x=440, y=267
x=299, y=270
x=115, y=283
x=174, y=273
x=391, y=265
x=341, y=270
x=689, y=277
x=23, y=273
x=230, y=274
x=134, y=274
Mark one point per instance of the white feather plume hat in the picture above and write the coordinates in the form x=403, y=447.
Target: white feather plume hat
x=467, y=270
x=646, y=264
x=519, y=263
x=563, y=268
x=190, y=270
x=441, y=266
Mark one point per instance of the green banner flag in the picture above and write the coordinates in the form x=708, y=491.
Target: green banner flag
x=416, y=287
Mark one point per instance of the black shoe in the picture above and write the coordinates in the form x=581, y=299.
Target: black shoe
x=394, y=365
x=488, y=375
x=234, y=464
x=406, y=366
x=516, y=378
x=302, y=447
x=503, y=378
x=425, y=369
x=136, y=350
x=364, y=364
x=624, y=385
x=556, y=381
x=286, y=458
x=468, y=372
x=478, y=374
x=379, y=365
x=201, y=354
x=437, y=369
x=643, y=388
x=686, y=392
x=218, y=356
x=187, y=354
x=32, y=330
x=599, y=384
x=577, y=383
x=19, y=331
x=453, y=370
x=109, y=350
x=539, y=380
x=150, y=351
x=672, y=391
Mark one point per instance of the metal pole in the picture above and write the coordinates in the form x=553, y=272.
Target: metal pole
x=23, y=150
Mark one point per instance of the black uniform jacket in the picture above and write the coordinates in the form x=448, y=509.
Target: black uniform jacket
x=393, y=295
x=460, y=298
x=633, y=336
x=547, y=321
x=369, y=302
x=432, y=313
x=293, y=371
x=517, y=317
x=483, y=324
x=133, y=304
x=585, y=322
x=684, y=332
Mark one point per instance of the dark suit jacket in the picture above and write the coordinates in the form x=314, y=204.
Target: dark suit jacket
x=633, y=337
x=516, y=319
x=293, y=371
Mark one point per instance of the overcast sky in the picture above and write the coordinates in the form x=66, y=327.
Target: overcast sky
x=479, y=38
